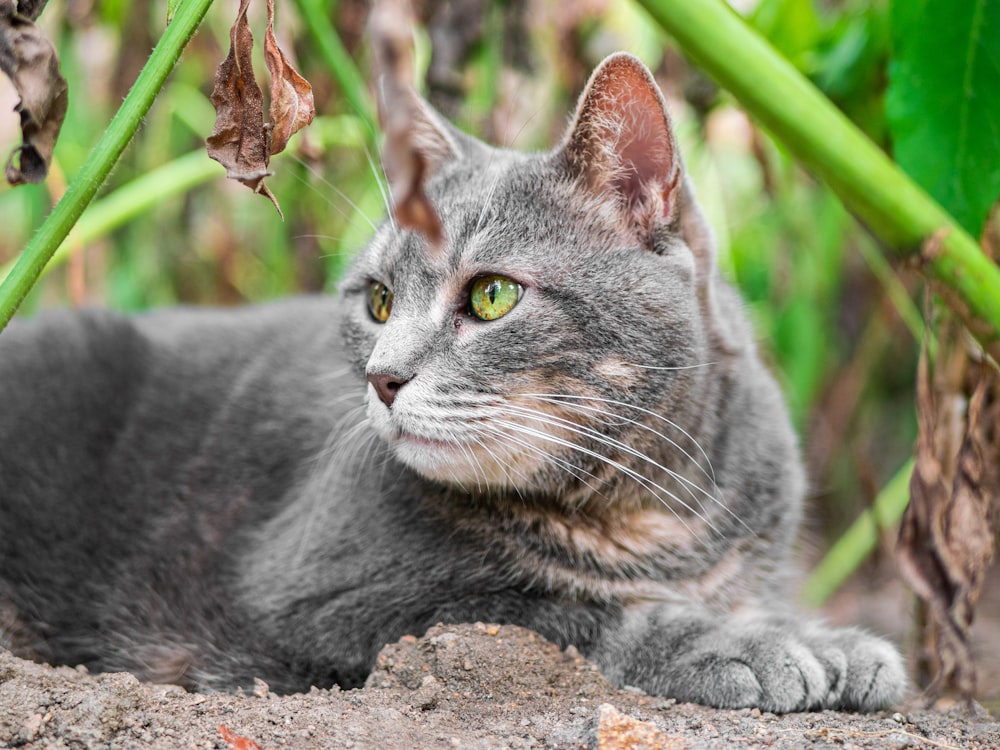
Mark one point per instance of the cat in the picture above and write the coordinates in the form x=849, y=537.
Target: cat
x=555, y=417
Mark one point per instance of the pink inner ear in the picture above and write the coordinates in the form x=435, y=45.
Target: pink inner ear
x=622, y=137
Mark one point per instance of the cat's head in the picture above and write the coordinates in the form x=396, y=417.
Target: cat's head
x=557, y=335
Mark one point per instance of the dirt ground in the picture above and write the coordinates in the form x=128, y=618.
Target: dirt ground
x=465, y=686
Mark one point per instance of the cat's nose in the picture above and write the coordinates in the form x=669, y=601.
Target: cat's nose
x=387, y=385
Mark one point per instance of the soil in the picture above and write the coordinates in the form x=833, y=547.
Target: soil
x=464, y=686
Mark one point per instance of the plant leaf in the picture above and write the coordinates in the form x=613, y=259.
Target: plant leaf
x=292, y=106
x=28, y=58
x=406, y=162
x=946, y=536
x=240, y=141
x=942, y=104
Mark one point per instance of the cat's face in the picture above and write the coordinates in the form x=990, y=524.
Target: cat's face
x=546, y=337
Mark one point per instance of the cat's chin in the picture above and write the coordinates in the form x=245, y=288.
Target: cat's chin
x=450, y=462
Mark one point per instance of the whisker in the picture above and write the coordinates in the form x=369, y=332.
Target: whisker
x=340, y=193
x=689, y=486
x=551, y=457
x=489, y=197
x=643, y=481
x=560, y=400
x=678, y=367
x=379, y=177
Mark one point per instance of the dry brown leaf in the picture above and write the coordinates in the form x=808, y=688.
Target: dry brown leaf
x=292, y=106
x=28, y=58
x=241, y=141
x=947, y=533
x=405, y=163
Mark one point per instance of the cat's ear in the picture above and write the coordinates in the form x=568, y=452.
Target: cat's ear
x=621, y=143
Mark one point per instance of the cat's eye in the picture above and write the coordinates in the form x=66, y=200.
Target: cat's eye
x=379, y=301
x=492, y=297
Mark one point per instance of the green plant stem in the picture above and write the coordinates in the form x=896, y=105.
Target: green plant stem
x=130, y=200
x=898, y=211
x=102, y=159
x=316, y=16
x=858, y=541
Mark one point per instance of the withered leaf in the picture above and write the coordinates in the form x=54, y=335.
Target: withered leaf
x=28, y=58
x=404, y=160
x=292, y=106
x=946, y=537
x=240, y=141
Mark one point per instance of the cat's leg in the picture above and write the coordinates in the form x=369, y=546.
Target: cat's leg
x=775, y=663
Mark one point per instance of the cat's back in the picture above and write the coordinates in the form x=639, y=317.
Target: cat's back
x=85, y=379
x=123, y=435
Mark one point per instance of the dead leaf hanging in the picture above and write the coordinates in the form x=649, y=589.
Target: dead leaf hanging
x=947, y=535
x=28, y=58
x=241, y=141
x=292, y=106
x=403, y=159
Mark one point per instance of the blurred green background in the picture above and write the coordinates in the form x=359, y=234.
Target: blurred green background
x=835, y=321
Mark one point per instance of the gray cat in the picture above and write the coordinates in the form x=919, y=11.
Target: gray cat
x=555, y=418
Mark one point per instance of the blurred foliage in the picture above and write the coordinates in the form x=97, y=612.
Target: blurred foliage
x=943, y=109
x=509, y=72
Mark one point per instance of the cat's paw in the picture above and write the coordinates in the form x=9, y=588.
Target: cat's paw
x=756, y=665
x=875, y=676
x=780, y=667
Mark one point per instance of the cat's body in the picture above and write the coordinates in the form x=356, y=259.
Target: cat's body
x=208, y=497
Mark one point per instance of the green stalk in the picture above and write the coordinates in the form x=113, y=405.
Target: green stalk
x=102, y=159
x=899, y=212
x=130, y=200
x=316, y=16
x=858, y=541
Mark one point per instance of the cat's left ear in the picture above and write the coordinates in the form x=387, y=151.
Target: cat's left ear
x=622, y=145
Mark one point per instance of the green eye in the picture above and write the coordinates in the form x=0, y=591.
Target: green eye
x=379, y=301
x=492, y=297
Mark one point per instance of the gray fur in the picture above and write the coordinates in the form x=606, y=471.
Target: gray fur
x=206, y=497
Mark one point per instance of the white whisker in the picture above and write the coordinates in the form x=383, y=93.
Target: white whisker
x=679, y=367
x=560, y=400
x=340, y=193
x=382, y=188
x=649, y=484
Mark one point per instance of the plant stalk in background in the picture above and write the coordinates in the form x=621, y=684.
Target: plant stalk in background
x=897, y=211
x=102, y=159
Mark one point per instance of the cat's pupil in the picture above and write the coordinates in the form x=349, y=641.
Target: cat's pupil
x=494, y=287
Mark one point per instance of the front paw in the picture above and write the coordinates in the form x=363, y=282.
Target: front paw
x=756, y=665
x=782, y=667
x=876, y=676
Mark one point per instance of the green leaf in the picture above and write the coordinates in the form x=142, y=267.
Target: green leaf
x=792, y=26
x=943, y=105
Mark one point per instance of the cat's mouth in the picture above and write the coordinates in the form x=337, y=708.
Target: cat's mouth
x=401, y=439
x=437, y=459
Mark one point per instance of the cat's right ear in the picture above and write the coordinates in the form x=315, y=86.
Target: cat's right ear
x=621, y=143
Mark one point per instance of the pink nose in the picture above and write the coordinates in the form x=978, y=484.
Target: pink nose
x=386, y=385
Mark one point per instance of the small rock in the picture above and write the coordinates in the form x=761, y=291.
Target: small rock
x=427, y=696
x=260, y=688
x=30, y=728
x=616, y=731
